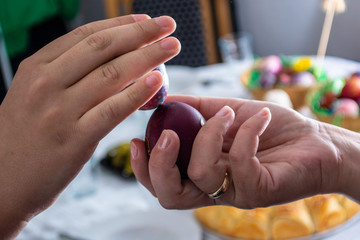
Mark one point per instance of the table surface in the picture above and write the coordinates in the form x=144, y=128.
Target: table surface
x=104, y=206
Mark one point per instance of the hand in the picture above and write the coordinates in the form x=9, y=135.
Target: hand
x=65, y=98
x=270, y=161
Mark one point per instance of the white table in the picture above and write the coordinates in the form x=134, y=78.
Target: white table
x=119, y=204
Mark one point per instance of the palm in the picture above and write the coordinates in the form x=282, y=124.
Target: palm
x=287, y=148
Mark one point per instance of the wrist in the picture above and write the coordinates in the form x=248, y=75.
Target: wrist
x=12, y=221
x=347, y=144
x=13, y=217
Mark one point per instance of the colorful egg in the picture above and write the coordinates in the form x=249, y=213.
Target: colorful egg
x=351, y=88
x=271, y=64
x=278, y=96
x=302, y=64
x=305, y=79
x=161, y=95
x=356, y=73
x=267, y=80
x=346, y=107
x=328, y=100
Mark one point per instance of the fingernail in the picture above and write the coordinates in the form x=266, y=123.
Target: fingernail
x=263, y=112
x=228, y=113
x=152, y=80
x=163, y=22
x=140, y=17
x=168, y=43
x=133, y=149
x=164, y=140
x=224, y=111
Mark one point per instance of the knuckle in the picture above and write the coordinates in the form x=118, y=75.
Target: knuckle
x=141, y=29
x=25, y=64
x=84, y=30
x=233, y=153
x=98, y=41
x=155, y=166
x=110, y=73
x=168, y=204
x=246, y=127
x=109, y=111
x=132, y=97
x=197, y=175
x=40, y=87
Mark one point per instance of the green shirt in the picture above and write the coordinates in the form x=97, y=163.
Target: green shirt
x=18, y=16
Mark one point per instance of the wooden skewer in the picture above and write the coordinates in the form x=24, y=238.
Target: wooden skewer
x=331, y=7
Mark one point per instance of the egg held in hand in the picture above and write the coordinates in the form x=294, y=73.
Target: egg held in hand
x=183, y=119
x=161, y=95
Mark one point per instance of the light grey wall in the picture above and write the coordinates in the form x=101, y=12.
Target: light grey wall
x=294, y=27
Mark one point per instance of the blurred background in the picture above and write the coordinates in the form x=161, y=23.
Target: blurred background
x=277, y=26
x=259, y=49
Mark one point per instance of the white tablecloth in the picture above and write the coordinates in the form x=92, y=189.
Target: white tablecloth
x=111, y=207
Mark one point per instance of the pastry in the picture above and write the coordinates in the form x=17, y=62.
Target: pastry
x=291, y=220
x=301, y=218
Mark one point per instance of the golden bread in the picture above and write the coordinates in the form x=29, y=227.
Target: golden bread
x=292, y=220
x=326, y=211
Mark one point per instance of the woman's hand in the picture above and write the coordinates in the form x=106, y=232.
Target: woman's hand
x=65, y=98
x=272, y=154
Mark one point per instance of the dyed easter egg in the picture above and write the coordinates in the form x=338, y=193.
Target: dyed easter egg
x=271, y=64
x=327, y=100
x=278, y=96
x=356, y=73
x=302, y=64
x=305, y=79
x=285, y=77
x=182, y=118
x=346, y=107
x=351, y=88
x=267, y=80
x=161, y=95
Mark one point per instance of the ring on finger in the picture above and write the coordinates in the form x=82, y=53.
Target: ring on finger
x=218, y=193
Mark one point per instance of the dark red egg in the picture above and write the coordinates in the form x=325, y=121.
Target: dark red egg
x=327, y=100
x=351, y=88
x=182, y=118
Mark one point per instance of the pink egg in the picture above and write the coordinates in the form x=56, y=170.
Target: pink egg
x=346, y=107
x=271, y=64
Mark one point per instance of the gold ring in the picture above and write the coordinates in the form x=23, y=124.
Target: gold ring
x=218, y=193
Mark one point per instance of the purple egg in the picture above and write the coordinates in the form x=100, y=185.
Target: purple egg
x=271, y=64
x=185, y=120
x=161, y=95
x=346, y=107
x=305, y=79
x=267, y=80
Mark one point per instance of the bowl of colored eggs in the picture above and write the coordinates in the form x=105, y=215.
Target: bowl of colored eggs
x=338, y=102
x=295, y=75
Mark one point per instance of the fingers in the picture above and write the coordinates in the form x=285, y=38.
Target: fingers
x=102, y=118
x=244, y=163
x=139, y=164
x=207, y=168
x=207, y=106
x=115, y=75
x=171, y=190
x=103, y=46
x=64, y=43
